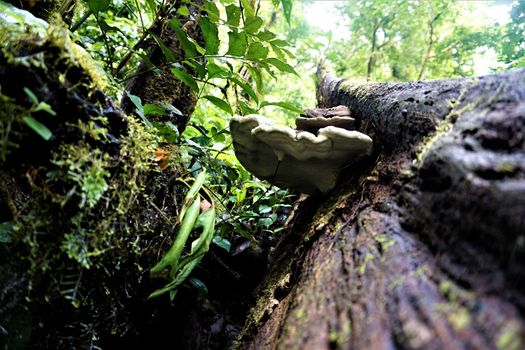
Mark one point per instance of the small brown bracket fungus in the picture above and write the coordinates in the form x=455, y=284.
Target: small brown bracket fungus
x=314, y=124
x=298, y=160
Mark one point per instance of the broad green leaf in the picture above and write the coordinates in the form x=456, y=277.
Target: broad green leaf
x=253, y=24
x=282, y=66
x=31, y=95
x=287, y=8
x=245, y=109
x=168, y=131
x=97, y=6
x=284, y=105
x=257, y=76
x=225, y=106
x=211, y=35
x=150, y=109
x=106, y=27
x=266, y=35
x=137, y=102
x=257, y=51
x=152, y=6
x=187, y=46
x=7, y=229
x=183, y=11
x=247, y=88
x=168, y=52
x=216, y=71
x=222, y=243
x=213, y=11
x=185, y=78
x=247, y=7
x=279, y=43
x=237, y=43
x=171, y=108
x=233, y=13
x=38, y=127
x=199, y=67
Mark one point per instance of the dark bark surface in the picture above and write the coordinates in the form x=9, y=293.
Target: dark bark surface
x=422, y=246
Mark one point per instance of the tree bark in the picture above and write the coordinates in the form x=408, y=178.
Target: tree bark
x=422, y=246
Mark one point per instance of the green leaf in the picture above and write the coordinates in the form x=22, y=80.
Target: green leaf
x=245, y=109
x=237, y=43
x=253, y=24
x=106, y=27
x=257, y=76
x=233, y=13
x=168, y=131
x=7, y=229
x=287, y=8
x=168, y=52
x=282, y=66
x=284, y=105
x=211, y=35
x=150, y=109
x=38, y=127
x=31, y=95
x=247, y=88
x=137, y=102
x=171, y=108
x=183, y=11
x=216, y=71
x=266, y=35
x=247, y=7
x=97, y=6
x=222, y=243
x=42, y=106
x=213, y=11
x=225, y=106
x=187, y=46
x=185, y=78
x=152, y=6
x=257, y=51
x=279, y=43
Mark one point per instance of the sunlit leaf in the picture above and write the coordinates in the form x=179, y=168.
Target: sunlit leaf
x=211, y=8
x=282, y=66
x=150, y=109
x=257, y=51
x=284, y=105
x=225, y=106
x=257, y=77
x=183, y=11
x=247, y=7
x=211, y=35
x=38, y=127
x=247, y=88
x=253, y=24
x=237, y=43
x=233, y=14
x=97, y=6
x=216, y=71
x=185, y=78
x=287, y=8
x=266, y=35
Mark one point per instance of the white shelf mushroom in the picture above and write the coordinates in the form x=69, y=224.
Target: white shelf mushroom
x=299, y=160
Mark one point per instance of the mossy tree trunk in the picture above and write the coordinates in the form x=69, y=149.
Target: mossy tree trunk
x=423, y=246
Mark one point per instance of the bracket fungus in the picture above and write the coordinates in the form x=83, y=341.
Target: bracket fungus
x=304, y=161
